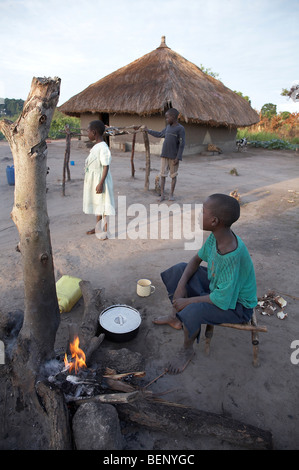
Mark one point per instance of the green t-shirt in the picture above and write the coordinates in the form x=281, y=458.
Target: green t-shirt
x=231, y=276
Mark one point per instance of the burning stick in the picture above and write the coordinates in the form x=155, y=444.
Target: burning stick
x=119, y=385
x=93, y=346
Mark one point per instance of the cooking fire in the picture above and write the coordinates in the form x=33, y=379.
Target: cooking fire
x=78, y=357
x=79, y=382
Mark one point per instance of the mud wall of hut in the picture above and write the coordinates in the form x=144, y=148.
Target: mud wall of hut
x=197, y=136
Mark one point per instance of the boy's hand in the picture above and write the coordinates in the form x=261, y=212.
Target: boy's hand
x=180, y=303
x=180, y=292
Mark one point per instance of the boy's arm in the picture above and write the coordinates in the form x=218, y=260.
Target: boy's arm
x=181, y=143
x=190, y=269
x=180, y=300
x=157, y=134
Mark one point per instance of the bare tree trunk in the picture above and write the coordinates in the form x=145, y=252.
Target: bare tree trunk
x=27, y=139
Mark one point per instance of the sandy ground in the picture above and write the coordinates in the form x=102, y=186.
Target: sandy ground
x=225, y=382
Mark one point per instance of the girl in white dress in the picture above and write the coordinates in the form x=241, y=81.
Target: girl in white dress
x=98, y=198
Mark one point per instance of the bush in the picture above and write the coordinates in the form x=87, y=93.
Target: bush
x=59, y=121
x=280, y=131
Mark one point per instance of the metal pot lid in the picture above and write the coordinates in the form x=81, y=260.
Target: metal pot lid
x=120, y=319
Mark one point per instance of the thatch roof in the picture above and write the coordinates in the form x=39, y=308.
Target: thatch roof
x=157, y=81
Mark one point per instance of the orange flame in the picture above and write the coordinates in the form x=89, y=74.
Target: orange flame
x=78, y=356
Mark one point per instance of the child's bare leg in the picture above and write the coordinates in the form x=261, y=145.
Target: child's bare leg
x=93, y=230
x=162, y=197
x=170, y=320
x=179, y=363
x=105, y=227
x=173, y=183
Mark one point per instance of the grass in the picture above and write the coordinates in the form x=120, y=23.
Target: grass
x=269, y=140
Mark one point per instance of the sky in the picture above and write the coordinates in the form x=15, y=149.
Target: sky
x=252, y=45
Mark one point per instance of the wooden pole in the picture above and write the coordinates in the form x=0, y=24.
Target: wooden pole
x=147, y=160
x=132, y=155
x=246, y=327
x=67, y=152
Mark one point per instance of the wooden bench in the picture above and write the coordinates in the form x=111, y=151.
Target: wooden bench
x=251, y=326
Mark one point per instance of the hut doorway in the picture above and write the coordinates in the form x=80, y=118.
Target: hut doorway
x=105, y=119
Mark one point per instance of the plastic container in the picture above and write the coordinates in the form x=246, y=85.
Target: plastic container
x=10, y=175
x=72, y=162
x=68, y=292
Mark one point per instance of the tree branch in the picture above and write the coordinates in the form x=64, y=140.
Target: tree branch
x=5, y=128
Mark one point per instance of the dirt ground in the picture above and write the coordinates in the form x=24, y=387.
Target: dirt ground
x=225, y=382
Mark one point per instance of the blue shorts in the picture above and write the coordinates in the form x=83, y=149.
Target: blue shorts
x=194, y=315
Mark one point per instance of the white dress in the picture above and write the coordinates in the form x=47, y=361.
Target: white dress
x=93, y=203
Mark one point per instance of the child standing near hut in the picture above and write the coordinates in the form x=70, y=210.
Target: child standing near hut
x=98, y=198
x=172, y=150
x=222, y=292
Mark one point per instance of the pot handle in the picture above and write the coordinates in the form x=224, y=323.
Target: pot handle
x=153, y=289
x=120, y=320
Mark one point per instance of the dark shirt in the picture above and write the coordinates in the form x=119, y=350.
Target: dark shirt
x=174, y=142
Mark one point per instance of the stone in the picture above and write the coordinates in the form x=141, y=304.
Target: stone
x=96, y=427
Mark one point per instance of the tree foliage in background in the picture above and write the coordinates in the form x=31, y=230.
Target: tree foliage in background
x=269, y=110
x=243, y=96
x=276, y=131
x=293, y=92
x=59, y=121
x=209, y=71
x=11, y=107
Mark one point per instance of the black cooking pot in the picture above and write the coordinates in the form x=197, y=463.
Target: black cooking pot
x=120, y=322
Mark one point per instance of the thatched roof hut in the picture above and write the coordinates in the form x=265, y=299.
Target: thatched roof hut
x=141, y=91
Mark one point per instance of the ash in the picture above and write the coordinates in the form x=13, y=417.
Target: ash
x=86, y=383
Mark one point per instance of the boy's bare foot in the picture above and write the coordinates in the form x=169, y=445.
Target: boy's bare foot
x=161, y=198
x=168, y=320
x=171, y=198
x=180, y=362
x=91, y=232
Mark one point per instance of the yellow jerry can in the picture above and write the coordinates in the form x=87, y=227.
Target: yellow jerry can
x=68, y=292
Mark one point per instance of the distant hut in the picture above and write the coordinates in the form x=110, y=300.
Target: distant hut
x=143, y=90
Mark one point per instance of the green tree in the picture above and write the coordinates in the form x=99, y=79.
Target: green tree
x=13, y=107
x=269, y=110
x=59, y=121
x=285, y=92
x=209, y=71
x=285, y=115
x=243, y=96
x=293, y=92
